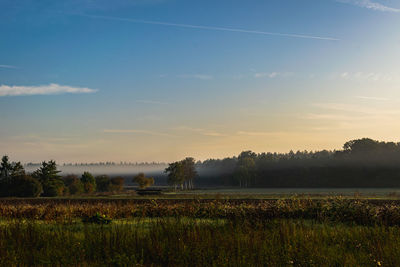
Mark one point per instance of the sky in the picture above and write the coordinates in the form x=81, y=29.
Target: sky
x=159, y=80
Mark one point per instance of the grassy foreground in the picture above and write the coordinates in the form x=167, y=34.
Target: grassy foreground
x=285, y=232
x=191, y=242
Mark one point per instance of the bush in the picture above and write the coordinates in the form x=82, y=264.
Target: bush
x=117, y=184
x=73, y=184
x=88, y=181
x=98, y=219
x=53, y=189
x=143, y=181
x=20, y=186
x=103, y=183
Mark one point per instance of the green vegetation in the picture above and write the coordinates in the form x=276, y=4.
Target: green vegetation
x=196, y=231
x=361, y=163
x=143, y=181
x=74, y=184
x=47, y=182
x=186, y=242
x=182, y=173
x=98, y=219
x=123, y=232
x=51, y=182
x=363, y=212
x=89, y=182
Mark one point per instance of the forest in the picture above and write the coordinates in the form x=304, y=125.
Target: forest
x=360, y=163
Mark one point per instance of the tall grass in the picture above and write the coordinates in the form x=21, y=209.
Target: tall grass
x=191, y=242
x=294, y=232
x=335, y=210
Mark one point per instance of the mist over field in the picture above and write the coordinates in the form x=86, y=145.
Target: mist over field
x=112, y=170
x=200, y=133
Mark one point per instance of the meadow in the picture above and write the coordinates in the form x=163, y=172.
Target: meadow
x=200, y=232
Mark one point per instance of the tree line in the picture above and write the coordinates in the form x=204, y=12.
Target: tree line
x=361, y=163
x=46, y=181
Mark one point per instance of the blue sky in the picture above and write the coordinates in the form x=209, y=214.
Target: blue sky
x=145, y=80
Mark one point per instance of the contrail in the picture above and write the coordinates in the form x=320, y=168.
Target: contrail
x=212, y=28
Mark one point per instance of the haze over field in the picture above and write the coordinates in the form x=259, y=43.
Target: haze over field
x=159, y=80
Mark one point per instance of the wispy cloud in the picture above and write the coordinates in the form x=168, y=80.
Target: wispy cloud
x=253, y=133
x=349, y=108
x=134, y=131
x=373, y=98
x=196, y=76
x=51, y=89
x=212, y=28
x=8, y=67
x=152, y=102
x=334, y=117
x=201, y=131
x=271, y=74
x=371, y=5
x=367, y=76
x=264, y=74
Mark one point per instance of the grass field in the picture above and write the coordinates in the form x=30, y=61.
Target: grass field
x=191, y=242
x=200, y=232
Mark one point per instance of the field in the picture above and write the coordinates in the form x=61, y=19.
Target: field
x=295, y=231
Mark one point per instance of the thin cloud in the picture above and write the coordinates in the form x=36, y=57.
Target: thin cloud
x=264, y=74
x=367, y=76
x=373, y=98
x=251, y=133
x=8, y=67
x=201, y=131
x=152, y=102
x=370, y=5
x=271, y=74
x=334, y=117
x=356, y=109
x=212, y=28
x=196, y=76
x=133, y=131
x=51, y=89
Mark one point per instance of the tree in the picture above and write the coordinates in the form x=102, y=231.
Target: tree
x=245, y=169
x=9, y=170
x=89, y=182
x=5, y=168
x=17, y=169
x=20, y=186
x=143, y=181
x=117, y=184
x=103, y=183
x=190, y=172
x=73, y=184
x=51, y=182
x=175, y=174
x=362, y=146
x=182, y=173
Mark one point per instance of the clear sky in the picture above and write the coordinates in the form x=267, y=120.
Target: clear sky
x=158, y=80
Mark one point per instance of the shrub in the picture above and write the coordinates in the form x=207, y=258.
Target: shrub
x=143, y=181
x=117, y=184
x=103, y=183
x=98, y=219
x=20, y=186
x=89, y=183
x=53, y=188
x=73, y=184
